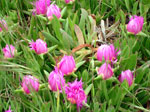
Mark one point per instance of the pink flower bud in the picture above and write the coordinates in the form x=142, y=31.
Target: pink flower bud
x=30, y=83
x=8, y=110
x=75, y=93
x=67, y=65
x=41, y=6
x=9, y=51
x=126, y=75
x=3, y=24
x=40, y=47
x=56, y=80
x=106, y=71
x=107, y=52
x=68, y=1
x=135, y=24
x=53, y=10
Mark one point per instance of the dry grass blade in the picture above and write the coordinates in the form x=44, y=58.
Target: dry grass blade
x=80, y=47
x=79, y=34
x=41, y=36
x=106, y=34
x=103, y=29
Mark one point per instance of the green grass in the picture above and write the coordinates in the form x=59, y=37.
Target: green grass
x=76, y=27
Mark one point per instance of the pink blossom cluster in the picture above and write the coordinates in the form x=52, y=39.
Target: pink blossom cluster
x=74, y=90
x=75, y=93
x=65, y=67
x=108, y=53
x=56, y=80
x=41, y=6
x=135, y=24
x=30, y=83
x=39, y=46
x=46, y=8
x=9, y=51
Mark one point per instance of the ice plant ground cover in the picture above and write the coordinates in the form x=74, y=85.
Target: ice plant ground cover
x=74, y=55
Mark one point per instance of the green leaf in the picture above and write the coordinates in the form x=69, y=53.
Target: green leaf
x=45, y=107
x=111, y=109
x=51, y=38
x=51, y=58
x=99, y=77
x=143, y=10
x=85, y=76
x=136, y=46
x=123, y=17
x=135, y=5
x=67, y=40
x=103, y=107
x=32, y=23
x=141, y=71
x=148, y=52
x=105, y=90
x=129, y=63
x=56, y=28
x=109, y=13
x=114, y=3
x=85, y=104
x=79, y=64
x=115, y=91
x=96, y=107
x=58, y=101
x=93, y=4
x=142, y=34
x=146, y=2
x=63, y=11
x=93, y=91
x=52, y=48
x=41, y=17
x=104, y=8
x=126, y=51
x=84, y=16
x=138, y=107
x=127, y=5
x=88, y=89
x=46, y=73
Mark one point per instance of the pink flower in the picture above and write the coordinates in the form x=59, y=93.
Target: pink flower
x=30, y=83
x=3, y=24
x=53, y=10
x=68, y=1
x=8, y=110
x=41, y=6
x=75, y=93
x=39, y=46
x=106, y=71
x=135, y=24
x=126, y=75
x=108, y=52
x=56, y=80
x=9, y=51
x=67, y=65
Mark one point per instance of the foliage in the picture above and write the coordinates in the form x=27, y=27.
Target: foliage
x=77, y=33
